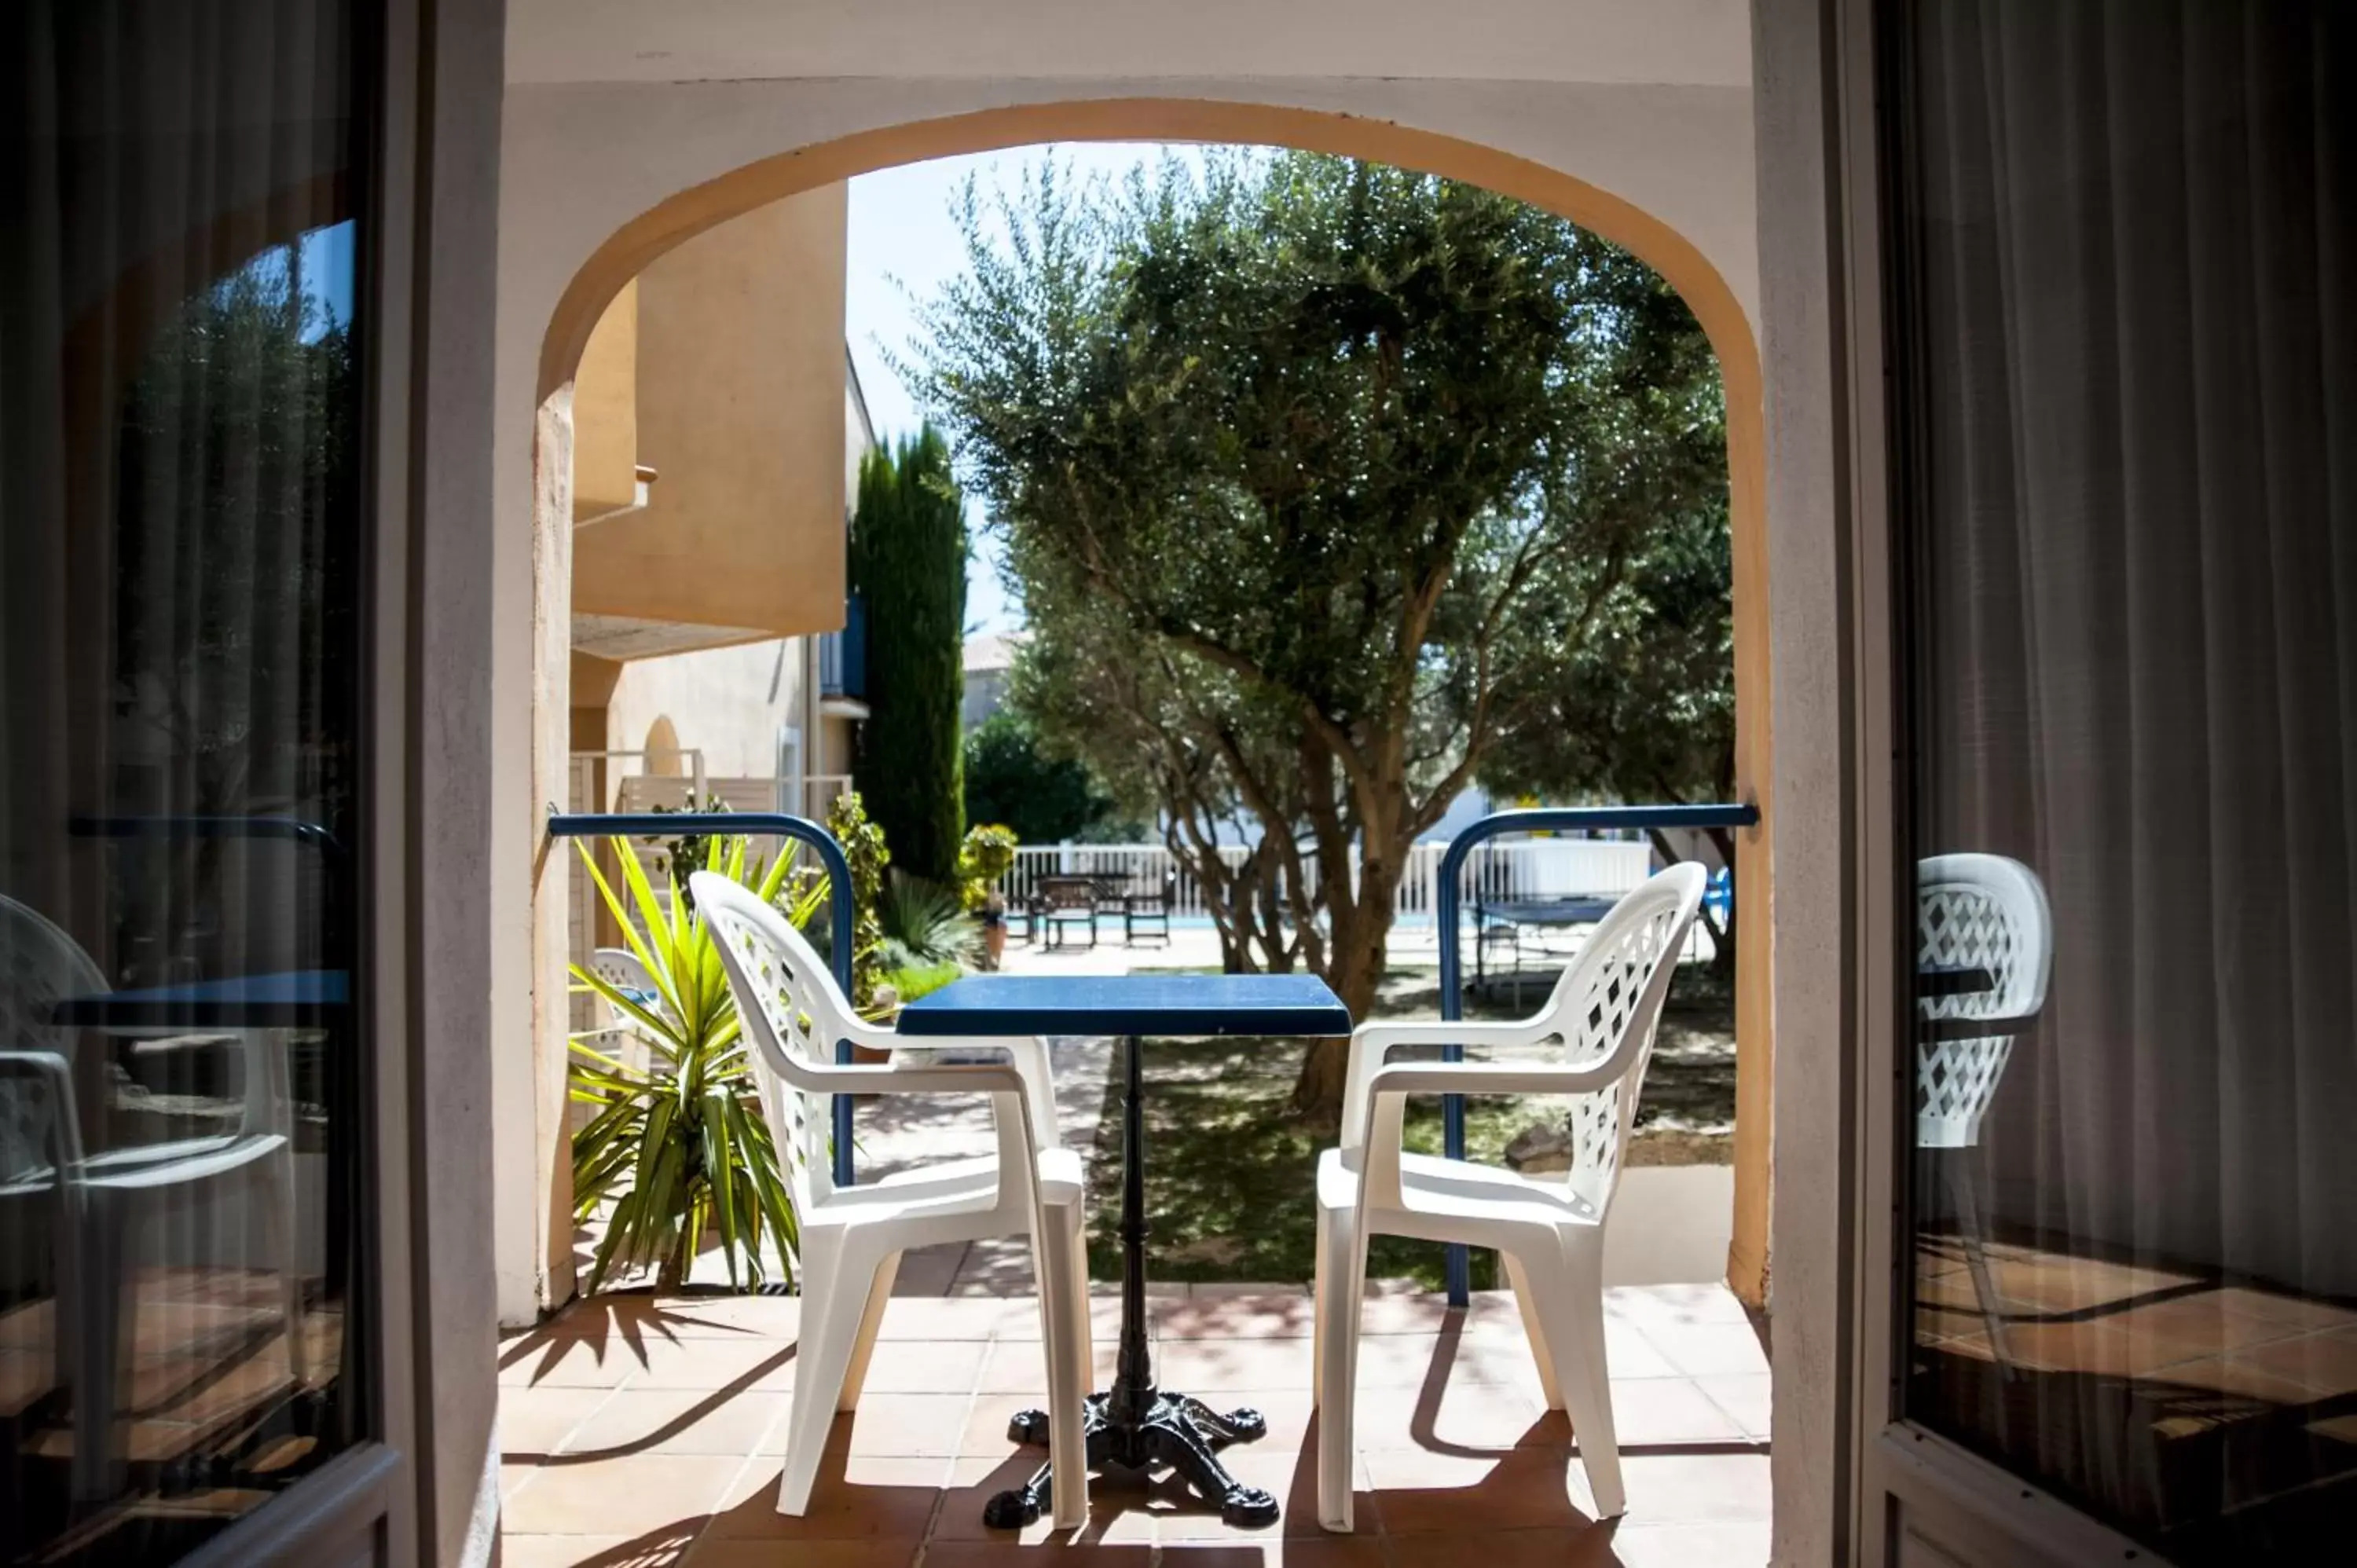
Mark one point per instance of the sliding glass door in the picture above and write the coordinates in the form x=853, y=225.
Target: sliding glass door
x=2122, y=262
x=183, y=543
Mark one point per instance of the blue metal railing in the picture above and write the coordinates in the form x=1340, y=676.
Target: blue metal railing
x=842, y=655
x=801, y=829
x=1450, y=901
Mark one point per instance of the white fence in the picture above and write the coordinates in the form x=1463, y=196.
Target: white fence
x=1521, y=869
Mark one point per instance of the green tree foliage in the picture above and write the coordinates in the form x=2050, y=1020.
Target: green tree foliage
x=908, y=560
x=1644, y=710
x=1010, y=780
x=1310, y=471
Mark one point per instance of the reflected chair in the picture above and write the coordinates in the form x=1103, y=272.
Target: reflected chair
x=1989, y=914
x=1597, y=1026
x=851, y=1239
x=103, y=1198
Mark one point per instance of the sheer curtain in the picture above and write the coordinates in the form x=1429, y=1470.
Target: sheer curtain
x=180, y=551
x=2129, y=252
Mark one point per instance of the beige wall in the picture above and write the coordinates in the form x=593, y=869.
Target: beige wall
x=729, y=702
x=739, y=412
x=606, y=412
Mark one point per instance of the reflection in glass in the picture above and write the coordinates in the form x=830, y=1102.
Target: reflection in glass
x=180, y=549
x=2126, y=317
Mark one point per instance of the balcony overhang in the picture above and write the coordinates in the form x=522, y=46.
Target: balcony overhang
x=624, y=638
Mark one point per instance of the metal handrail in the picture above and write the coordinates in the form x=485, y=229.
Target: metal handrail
x=671, y=824
x=1448, y=900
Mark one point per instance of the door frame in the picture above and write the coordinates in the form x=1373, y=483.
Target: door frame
x=1914, y=1495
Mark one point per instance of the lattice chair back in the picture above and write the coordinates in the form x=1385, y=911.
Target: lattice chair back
x=40, y=966
x=1976, y=911
x=793, y=1013
x=1609, y=1001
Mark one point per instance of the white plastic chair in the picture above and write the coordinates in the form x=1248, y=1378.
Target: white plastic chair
x=1985, y=912
x=1549, y=1231
x=852, y=1238
x=104, y=1198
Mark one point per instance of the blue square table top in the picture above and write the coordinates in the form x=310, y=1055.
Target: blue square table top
x=245, y=1001
x=1100, y=1005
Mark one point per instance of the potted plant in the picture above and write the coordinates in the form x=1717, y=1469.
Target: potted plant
x=680, y=1149
x=986, y=855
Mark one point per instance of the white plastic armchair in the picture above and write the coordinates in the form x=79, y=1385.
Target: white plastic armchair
x=104, y=1198
x=851, y=1239
x=1602, y=1015
x=1985, y=912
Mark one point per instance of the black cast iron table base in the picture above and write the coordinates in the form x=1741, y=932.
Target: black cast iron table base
x=1177, y=1431
x=1137, y=1427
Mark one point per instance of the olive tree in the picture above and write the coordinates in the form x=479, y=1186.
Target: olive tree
x=1308, y=472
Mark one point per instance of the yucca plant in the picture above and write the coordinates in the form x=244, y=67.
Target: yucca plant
x=680, y=1148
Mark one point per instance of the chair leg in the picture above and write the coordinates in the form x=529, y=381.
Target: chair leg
x=1342, y=1267
x=106, y=1248
x=278, y=1217
x=1061, y=1251
x=1567, y=1291
x=879, y=1296
x=1317, y=1315
x=1966, y=1203
x=837, y=1281
x=1533, y=1330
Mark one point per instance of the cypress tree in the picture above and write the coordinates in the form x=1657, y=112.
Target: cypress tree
x=908, y=561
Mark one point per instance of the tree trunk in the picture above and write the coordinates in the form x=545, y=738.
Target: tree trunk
x=1354, y=967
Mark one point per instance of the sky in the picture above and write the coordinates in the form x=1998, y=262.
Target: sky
x=903, y=245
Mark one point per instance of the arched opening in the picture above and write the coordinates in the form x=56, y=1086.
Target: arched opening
x=655, y=232
x=663, y=758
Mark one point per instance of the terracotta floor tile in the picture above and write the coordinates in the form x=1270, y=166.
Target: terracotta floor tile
x=1206, y=1366
x=932, y=1318
x=1703, y=1350
x=1451, y=1436
x=25, y=1376
x=714, y=1553
x=619, y=1497
x=1736, y=1545
x=1668, y=1411
x=1235, y=1317
x=710, y=1364
x=1459, y=1416
x=677, y=1421
x=565, y=1362
x=1020, y=1367
x=1318, y=1551
x=536, y=1420
x=2323, y=1364
x=1690, y=1488
x=1291, y=1477
x=2296, y=1310
x=1418, y=1492
x=926, y=1367
x=1558, y=1546
x=1119, y=1514
x=1747, y=1397
x=585, y=1552
x=855, y=1498
x=1011, y=1553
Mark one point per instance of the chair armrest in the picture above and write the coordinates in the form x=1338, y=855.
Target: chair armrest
x=1496, y=1078
x=1027, y=1054
x=1372, y=1043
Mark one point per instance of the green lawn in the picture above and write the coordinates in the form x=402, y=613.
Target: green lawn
x=1229, y=1167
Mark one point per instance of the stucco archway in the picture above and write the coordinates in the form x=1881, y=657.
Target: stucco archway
x=631, y=247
